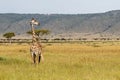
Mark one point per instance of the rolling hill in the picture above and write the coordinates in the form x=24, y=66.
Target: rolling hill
x=65, y=25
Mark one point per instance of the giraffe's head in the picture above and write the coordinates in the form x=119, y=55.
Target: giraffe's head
x=34, y=22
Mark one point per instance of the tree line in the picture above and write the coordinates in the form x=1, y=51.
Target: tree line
x=39, y=33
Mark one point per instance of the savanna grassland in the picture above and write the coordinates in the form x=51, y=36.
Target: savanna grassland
x=63, y=61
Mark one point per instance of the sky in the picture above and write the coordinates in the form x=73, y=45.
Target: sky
x=58, y=6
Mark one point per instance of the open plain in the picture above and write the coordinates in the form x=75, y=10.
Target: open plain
x=63, y=61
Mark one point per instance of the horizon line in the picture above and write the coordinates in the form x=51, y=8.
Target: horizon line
x=54, y=13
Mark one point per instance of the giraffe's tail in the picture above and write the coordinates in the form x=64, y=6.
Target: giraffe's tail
x=42, y=58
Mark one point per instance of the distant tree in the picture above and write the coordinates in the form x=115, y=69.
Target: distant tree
x=29, y=32
x=40, y=32
x=44, y=32
x=9, y=35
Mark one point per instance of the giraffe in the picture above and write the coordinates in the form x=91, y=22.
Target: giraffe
x=36, y=47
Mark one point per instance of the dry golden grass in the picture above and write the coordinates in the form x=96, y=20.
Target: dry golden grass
x=63, y=61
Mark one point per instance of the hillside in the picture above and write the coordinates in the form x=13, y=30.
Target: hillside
x=65, y=25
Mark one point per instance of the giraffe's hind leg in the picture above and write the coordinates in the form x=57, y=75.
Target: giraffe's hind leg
x=38, y=58
x=34, y=57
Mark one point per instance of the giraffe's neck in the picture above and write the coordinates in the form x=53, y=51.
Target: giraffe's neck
x=34, y=37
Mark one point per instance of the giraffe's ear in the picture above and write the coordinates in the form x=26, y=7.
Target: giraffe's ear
x=39, y=24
